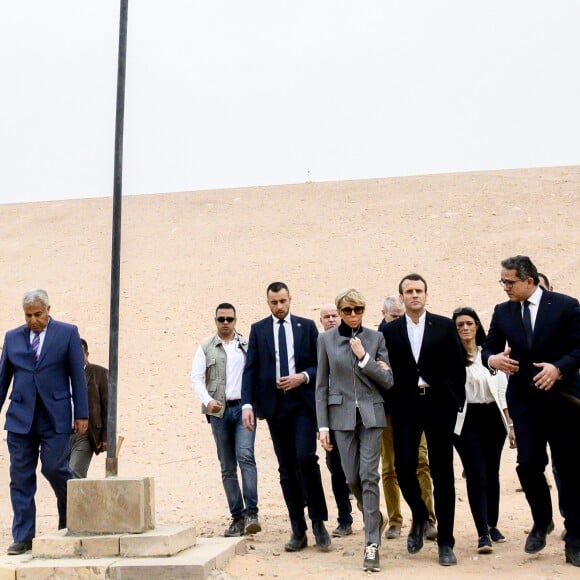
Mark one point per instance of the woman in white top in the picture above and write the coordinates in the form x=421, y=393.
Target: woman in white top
x=481, y=430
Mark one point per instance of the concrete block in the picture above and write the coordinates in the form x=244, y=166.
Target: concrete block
x=161, y=541
x=8, y=571
x=74, y=569
x=99, y=546
x=56, y=546
x=112, y=505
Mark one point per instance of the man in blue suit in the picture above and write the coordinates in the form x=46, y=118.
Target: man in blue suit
x=278, y=385
x=43, y=360
x=542, y=359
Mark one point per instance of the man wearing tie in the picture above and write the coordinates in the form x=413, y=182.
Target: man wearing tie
x=278, y=385
x=43, y=360
x=542, y=360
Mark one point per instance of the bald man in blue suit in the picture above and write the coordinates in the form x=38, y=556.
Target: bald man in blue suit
x=43, y=360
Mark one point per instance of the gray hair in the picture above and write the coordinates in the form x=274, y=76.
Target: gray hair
x=36, y=296
x=390, y=302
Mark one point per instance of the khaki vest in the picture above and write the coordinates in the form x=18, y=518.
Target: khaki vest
x=215, y=370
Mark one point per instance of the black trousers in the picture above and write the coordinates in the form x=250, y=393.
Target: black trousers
x=437, y=421
x=293, y=431
x=480, y=446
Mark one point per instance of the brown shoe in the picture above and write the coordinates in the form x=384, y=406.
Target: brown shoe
x=430, y=531
x=393, y=533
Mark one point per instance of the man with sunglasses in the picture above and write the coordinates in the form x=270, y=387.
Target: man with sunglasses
x=216, y=378
x=429, y=390
x=542, y=361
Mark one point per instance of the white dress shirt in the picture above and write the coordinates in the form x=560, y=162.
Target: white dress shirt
x=416, y=332
x=235, y=360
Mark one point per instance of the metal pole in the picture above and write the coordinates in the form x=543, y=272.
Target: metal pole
x=112, y=460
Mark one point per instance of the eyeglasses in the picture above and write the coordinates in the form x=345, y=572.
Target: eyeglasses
x=222, y=319
x=349, y=310
x=508, y=283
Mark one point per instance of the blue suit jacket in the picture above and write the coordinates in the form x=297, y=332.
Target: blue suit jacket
x=556, y=340
x=259, y=379
x=56, y=377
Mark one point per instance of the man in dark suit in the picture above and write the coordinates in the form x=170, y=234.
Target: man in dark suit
x=94, y=441
x=43, y=360
x=278, y=385
x=429, y=390
x=542, y=329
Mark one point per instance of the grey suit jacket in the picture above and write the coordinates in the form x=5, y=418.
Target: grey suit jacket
x=341, y=383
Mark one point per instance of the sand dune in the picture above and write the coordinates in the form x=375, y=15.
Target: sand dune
x=182, y=253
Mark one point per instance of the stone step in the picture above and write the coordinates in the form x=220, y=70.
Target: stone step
x=162, y=541
x=196, y=562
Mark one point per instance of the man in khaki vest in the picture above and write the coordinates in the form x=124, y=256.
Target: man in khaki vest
x=216, y=379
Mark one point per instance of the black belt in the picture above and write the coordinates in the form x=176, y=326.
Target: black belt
x=233, y=402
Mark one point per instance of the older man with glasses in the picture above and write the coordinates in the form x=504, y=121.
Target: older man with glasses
x=216, y=378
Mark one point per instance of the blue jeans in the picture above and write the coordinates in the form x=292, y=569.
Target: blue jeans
x=235, y=446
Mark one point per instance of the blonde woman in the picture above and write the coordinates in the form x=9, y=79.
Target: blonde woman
x=353, y=371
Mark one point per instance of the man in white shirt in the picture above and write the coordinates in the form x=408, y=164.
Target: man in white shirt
x=216, y=379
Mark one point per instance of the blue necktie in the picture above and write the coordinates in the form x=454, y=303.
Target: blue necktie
x=527, y=319
x=283, y=350
x=35, y=344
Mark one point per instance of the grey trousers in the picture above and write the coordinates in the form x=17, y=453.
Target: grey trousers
x=81, y=454
x=360, y=452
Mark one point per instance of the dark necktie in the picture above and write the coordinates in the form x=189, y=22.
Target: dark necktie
x=527, y=319
x=283, y=350
x=35, y=344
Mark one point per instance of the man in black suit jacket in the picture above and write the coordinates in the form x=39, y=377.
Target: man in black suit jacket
x=278, y=385
x=542, y=360
x=429, y=390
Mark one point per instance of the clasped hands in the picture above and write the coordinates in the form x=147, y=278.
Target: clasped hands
x=544, y=380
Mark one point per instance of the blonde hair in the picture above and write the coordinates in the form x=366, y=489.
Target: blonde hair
x=352, y=296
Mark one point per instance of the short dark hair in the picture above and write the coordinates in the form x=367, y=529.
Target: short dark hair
x=415, y=278
x=276, y=287
x=85, y=345
x=225, y=306
x=479, y=333
x=547, y=282
x=523, y=266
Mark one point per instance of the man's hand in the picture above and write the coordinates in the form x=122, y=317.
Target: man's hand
x=102, y=446
x=503, y=362
x=546, y=378
x=214, y=406
x=248, y=419
x=324, y=437
x=291, y=381
x=81, y=426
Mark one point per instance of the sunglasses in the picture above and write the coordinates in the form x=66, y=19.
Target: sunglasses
x=349, y=310
x=222, y=319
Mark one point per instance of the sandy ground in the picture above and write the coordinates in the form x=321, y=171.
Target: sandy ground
x=183, y=253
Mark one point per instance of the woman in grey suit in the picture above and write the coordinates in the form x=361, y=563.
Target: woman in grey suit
x=353, y=369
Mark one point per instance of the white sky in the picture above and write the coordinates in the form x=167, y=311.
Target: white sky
x=234, y=93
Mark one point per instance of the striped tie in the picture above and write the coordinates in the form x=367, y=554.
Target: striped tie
x=35, y=344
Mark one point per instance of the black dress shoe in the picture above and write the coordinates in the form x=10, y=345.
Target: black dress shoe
x=573, y=556
x=446, y=556
x=321, y=536
x=296, y=543
x=18, y=548
x=415, y=537
x=536, y=539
